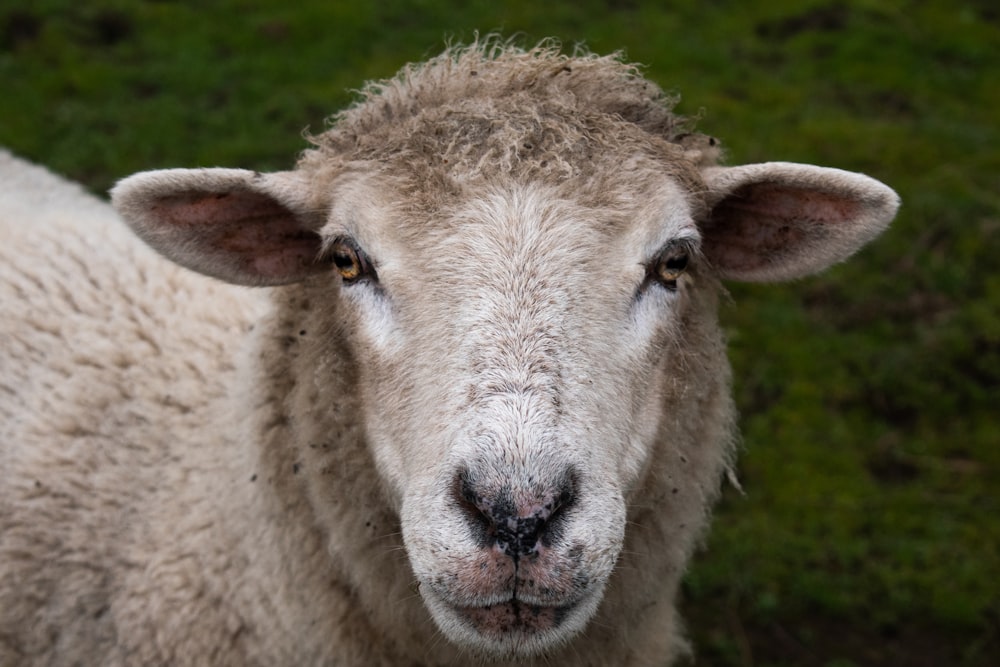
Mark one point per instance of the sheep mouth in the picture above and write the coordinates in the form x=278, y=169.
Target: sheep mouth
x=513, y=627
x=499, y=621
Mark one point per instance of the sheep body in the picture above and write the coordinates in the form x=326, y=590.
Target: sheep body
x=101, y=390
x=200, y=473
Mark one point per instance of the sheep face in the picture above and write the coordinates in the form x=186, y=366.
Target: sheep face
x=526, y=363
x=514, y=351
x=536, y=373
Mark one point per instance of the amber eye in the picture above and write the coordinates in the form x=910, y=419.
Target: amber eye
x=670, y=266
x=352, y=264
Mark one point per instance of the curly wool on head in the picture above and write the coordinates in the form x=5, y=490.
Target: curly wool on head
x=490, y=108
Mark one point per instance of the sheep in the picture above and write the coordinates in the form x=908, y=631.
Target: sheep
x=479, y=411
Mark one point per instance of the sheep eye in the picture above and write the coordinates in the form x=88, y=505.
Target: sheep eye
x=350, y=261
x=670, y=266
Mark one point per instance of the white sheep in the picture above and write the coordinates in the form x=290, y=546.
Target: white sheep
x=480, y=413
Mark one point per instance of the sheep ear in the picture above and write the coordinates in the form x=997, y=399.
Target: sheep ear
x=779, y=221
x=236, y=225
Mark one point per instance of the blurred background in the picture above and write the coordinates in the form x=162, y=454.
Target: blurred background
x=868, y=532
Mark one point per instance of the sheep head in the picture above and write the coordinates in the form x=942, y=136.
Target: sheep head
x=531, y=339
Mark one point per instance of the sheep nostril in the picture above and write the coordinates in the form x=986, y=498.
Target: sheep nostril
x=566, y=496
x=473, y=508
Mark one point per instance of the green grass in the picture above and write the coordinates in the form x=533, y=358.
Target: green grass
x=869, y=531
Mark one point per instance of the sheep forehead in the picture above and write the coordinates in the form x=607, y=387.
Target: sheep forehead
x=492, y=230
x=516, y=287
x=444, y=154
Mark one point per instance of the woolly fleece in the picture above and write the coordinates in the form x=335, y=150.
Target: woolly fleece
x=194, y=472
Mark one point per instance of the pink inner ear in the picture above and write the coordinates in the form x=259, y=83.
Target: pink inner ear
x=218, y=208
x=764, y=223
x=242, y=230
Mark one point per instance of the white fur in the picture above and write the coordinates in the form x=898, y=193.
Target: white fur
x=341, y=473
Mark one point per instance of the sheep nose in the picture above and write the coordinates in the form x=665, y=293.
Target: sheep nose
x=515, y=521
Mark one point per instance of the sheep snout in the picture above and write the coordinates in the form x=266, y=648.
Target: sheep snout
x=519, y=525
x=517, y=563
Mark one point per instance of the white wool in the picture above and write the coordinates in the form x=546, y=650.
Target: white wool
x=479, y=412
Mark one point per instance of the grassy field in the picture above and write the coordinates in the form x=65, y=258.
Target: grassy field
x=869, y=531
